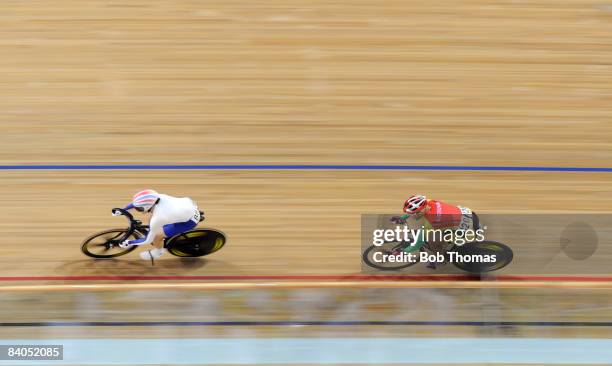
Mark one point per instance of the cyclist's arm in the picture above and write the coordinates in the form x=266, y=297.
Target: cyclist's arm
x=129, y=207
x=420, y=222
x=419, y=240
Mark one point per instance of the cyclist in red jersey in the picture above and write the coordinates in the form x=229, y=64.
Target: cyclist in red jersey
x=442, y=215
x=437, y=215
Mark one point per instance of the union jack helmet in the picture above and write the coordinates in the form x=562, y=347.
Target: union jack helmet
x=145, y=200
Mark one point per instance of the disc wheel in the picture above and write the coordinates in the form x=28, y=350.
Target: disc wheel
x=196, y=243
x=105, y=244
x=503, y=256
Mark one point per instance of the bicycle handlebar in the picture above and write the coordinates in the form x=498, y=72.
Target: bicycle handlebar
x=124, y=213
x=131, y=218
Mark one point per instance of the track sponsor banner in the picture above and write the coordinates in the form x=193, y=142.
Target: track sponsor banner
x=546, y=244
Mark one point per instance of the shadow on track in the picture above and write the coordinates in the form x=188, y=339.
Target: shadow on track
x=119, y=267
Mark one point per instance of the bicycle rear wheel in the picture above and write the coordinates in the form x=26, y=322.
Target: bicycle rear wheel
x=196, y=243
x=500, y=255
x=105, y=244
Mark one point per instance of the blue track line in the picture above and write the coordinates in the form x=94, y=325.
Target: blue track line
x=311, y=167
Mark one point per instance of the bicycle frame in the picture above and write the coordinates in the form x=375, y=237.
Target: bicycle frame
x=135, y=225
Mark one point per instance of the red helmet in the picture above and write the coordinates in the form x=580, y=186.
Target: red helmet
x=415, y=204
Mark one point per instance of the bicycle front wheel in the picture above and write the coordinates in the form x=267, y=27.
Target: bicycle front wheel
x=379, y=257
x=105, y=244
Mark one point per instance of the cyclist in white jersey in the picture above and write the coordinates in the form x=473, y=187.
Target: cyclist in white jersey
x=170, y=216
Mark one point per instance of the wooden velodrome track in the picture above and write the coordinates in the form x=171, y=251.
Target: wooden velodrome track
x=288, y=82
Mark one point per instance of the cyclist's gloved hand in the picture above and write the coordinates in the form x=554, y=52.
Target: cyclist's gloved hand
x=116, y=213
x=398, y=220
x=125, y=244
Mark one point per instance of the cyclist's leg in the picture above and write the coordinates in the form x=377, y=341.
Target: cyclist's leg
x=156, y=251
x=435, y=248
x=158, y=242
x=440, y=247
x=178, y=228
x=416, y=247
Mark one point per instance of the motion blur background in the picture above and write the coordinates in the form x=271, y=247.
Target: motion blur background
x=462, y=83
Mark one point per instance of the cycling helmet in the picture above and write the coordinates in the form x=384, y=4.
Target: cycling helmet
x=415, y=204
x=145, y=200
